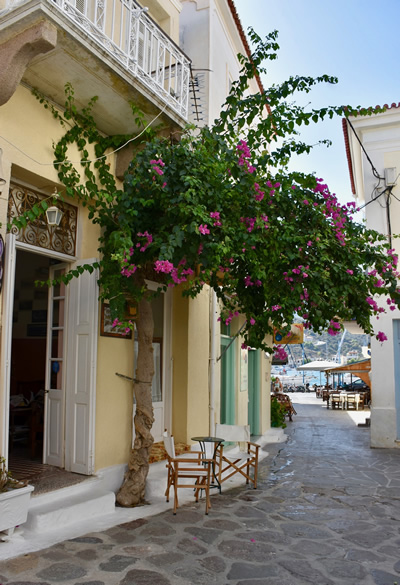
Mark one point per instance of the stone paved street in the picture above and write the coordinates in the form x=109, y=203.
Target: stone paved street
x=326, y=512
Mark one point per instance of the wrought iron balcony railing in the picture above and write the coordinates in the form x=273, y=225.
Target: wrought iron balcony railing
x=123, y=29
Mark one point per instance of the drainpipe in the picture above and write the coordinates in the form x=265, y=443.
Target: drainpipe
x=213, y=361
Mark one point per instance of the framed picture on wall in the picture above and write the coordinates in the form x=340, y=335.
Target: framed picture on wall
x=106, y=325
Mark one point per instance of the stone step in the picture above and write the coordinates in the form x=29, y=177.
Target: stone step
x=69, y=508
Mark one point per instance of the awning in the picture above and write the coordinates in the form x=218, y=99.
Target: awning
x=317, y=366
x=359, y=369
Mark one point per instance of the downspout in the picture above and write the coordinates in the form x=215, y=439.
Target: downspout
x=213, y=361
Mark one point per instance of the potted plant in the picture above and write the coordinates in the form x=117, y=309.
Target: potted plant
x=14, y=500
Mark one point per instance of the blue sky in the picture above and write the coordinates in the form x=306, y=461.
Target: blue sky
x=357, y=41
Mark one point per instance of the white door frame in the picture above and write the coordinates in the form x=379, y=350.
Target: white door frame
x=10, y=252
x=6, y=336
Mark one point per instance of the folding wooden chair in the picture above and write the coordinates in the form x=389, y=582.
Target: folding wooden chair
x=188, y=467
x=229, y=462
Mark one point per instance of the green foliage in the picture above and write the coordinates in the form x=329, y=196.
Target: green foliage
x=6, y=480
x=221, y=208
x=277, y=414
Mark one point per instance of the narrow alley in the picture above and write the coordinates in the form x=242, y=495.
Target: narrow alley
x=326, y=512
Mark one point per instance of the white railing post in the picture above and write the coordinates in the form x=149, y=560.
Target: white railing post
x=100, y=14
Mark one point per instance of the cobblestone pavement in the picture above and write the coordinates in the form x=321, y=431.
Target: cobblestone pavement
x=326, y=512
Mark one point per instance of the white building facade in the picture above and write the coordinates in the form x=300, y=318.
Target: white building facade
x=373, y=151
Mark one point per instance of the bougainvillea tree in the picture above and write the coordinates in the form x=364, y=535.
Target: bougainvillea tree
x=219, y=208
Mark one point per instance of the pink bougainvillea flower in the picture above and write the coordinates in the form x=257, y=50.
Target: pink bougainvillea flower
x=163, y=266
x=349, y=271
x=280, y=353
x=381, y=336
x=215, y=215
x=203, y=229
x=128, y=271
x=252, y=321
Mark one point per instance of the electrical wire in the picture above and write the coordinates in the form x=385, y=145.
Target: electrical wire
x=376, y=197
x=388, y=191
x=389, y=223
x=374, y=171
x=54, y=163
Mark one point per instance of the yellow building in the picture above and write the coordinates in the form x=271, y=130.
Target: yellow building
x=57, y=345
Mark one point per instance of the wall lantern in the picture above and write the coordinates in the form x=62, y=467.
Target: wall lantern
x=53, y=214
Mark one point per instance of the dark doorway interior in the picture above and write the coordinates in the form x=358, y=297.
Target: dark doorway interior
x=28, y=375
x=28, y=358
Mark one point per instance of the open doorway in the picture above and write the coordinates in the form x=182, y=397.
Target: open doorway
x=28, y=359
x=28, y=375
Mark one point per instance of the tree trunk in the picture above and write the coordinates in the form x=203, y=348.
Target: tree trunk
x=132, y=491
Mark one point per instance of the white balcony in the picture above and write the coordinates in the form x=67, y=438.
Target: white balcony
x=97, y=39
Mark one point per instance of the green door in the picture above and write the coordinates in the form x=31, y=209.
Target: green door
x=254, y=392
x=227, y=414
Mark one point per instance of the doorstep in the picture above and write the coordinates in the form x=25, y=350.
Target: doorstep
x=67, y=506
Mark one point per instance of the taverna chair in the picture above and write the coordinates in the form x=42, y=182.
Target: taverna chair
x=352, y=401
x=236, y=461
x=190, y=471
x=336, y=400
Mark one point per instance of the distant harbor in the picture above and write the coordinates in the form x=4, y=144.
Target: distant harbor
x=291, y=377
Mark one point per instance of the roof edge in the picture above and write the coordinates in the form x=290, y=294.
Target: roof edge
x=345, y=129
x=244, y=40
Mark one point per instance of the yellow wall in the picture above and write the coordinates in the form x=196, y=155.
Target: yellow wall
x=166, y=14
x=180, y=372
x=198, y=365
x=114, y=401
x=31, y=129
x=190, y=398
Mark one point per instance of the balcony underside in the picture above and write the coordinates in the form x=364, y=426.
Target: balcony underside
x=90, y=69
